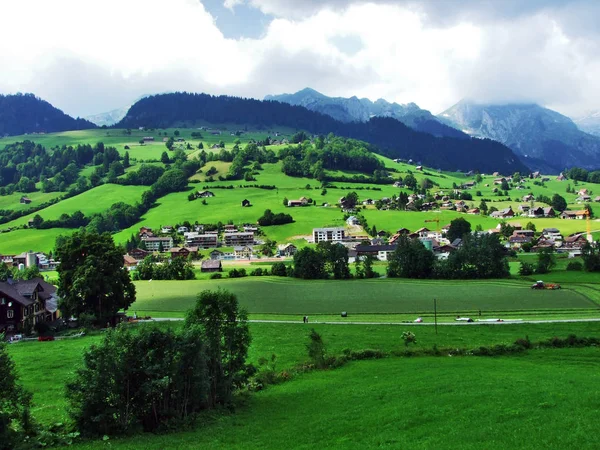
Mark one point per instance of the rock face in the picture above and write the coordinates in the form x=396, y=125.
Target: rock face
x=108, y=118
x=354, y=109
x=543, y=138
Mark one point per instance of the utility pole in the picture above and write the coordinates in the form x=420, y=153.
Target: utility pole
x=435, y=313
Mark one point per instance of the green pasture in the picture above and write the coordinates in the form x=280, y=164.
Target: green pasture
x=12, y=201
x=19, y=241
x=490, y=386
x=420, y=403
x=95, y=200
x=287, y=296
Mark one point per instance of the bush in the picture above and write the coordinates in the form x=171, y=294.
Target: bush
x=132, y=381
x=316, y=350
x=216, y=276
x=575, y=266
x=258, y=272
x=409, y=338
x=526, y=269
x=237, y=273
x=15, y=420
x=279, y=269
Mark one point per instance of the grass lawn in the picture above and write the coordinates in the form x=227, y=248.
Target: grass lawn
x=461, y=403
x=89, y=202
x=19, y=241
x=12, y=202
x=57, y=362
x=281, y=296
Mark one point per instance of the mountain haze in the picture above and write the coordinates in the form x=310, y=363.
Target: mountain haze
x=544, y=138
x=354, y=109
x=391, y=136
x=590, y=123
x=26, y=113
x=108, y=118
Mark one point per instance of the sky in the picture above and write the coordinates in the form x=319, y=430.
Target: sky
x=91, y=56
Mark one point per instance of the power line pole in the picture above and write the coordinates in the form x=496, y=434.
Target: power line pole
x=435, y=313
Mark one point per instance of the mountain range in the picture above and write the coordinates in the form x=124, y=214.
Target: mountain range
x=590, y=122
x=108, y=118
x=354, y=109
x=26, y=113
x=544, y=139
x=391, y=136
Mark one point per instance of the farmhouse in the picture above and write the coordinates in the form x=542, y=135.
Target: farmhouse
x=216, y=255
x=597, y=199
x=208, y=240
x=517, y=240
x=155, y=244
x=503, y=214
x=204, y=194
x=243, y=252
x=30, y=301
x=286, y=249
x=148, y=138
x=138, y=254
x=129, y=262
x=328, y=234
x=302, y=201
x=245, y=203
x=238, y=239
x=352, y=220
x=166, y=229
x=183, y=252
x=25, y=200
x=211, y=265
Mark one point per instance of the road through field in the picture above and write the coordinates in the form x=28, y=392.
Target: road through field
x=457, y=323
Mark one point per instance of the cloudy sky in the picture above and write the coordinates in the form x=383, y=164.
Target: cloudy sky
x=91, y=56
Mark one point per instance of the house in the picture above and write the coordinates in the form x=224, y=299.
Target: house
x=138, y=254
x=495, y=174
x=516, y=225
x=182, y=230
x=499, y=180
x=302, y=201
x=28, y=259
x=582, y=192
x=25, y=200
x=468, y=185
x=216, y=255
x=352, y=220
x=148, y=138
x=561, y=177
x=551, y=233
x=549, y=212
x=398, y=184
x=536, y=175
x=528, y=198
x=331, y=234
x=368, y=202
x=524, y=209
x=229, y=228
x=473, y=211
x=286, y=249
x=207, y=240
x=542, y=244
x=419, y=168
x=536, y=212
x=245, y=203
x=503, y=214
x=381, y=252
x=211, y=265
x=238, y=239
x=129, y=262
x=567, y=215
x=31, y=301
x=574, y=242
x=167, y=229
x=597, y=199
x=183, y=252
x=517, y=240
x=204, y=194
x=156, y=244
x=243, y=251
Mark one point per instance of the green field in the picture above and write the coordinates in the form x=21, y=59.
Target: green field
x=497, y=400
x=285, y=296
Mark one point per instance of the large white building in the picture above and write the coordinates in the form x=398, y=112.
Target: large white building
x=333, y=234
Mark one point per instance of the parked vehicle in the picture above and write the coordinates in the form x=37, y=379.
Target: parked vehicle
x=541, y=285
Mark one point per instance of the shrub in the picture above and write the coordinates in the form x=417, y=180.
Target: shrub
x=258, y=272
x=237, y=273
x=409, y=338
x=216, y=276
x=134, y=381
x=575, y=266
x=526, y=269
x=316, y=350
x=279, y=269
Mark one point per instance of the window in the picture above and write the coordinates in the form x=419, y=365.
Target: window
x=10, y=314
x=2, y=301
x=37, y=307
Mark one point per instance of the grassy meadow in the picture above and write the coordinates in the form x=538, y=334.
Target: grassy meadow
x=397, y=399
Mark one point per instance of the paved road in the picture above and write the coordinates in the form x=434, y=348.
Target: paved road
x=504, y=322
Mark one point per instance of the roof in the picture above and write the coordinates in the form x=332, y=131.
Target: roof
x=19, y=290
x=550, y=230
x=156, y=239
x=178, y=249
x=238, y=248
x=211, y=264
x=284, y=246
x=375, y=248
x=329, y=229
x=127, y=259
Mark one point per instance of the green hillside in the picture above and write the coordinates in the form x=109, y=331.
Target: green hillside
x=226, y=207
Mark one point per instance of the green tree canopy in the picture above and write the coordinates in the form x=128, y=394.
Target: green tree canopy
x=92, y=278
x=458, y=228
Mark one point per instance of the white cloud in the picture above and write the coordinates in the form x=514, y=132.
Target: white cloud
x=91, y=56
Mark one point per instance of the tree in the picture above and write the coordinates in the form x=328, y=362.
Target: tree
x=92, y=279
x=279, y=269
x=546, y=260
x=591, y=257
x=410, y=260
x=14, y=403
x=170, y=143
x=530, y=226
x=126, y=162
x=176, y=132
x=458, y=228
x=336, y=259
x=309, y=264
x=268, y=248
x=350, y=200
x=227, y=339
x=558, y=203
x=164, y=158
x=478, y=178
x=150, y=379
x=504, y=186
x=483, y=207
